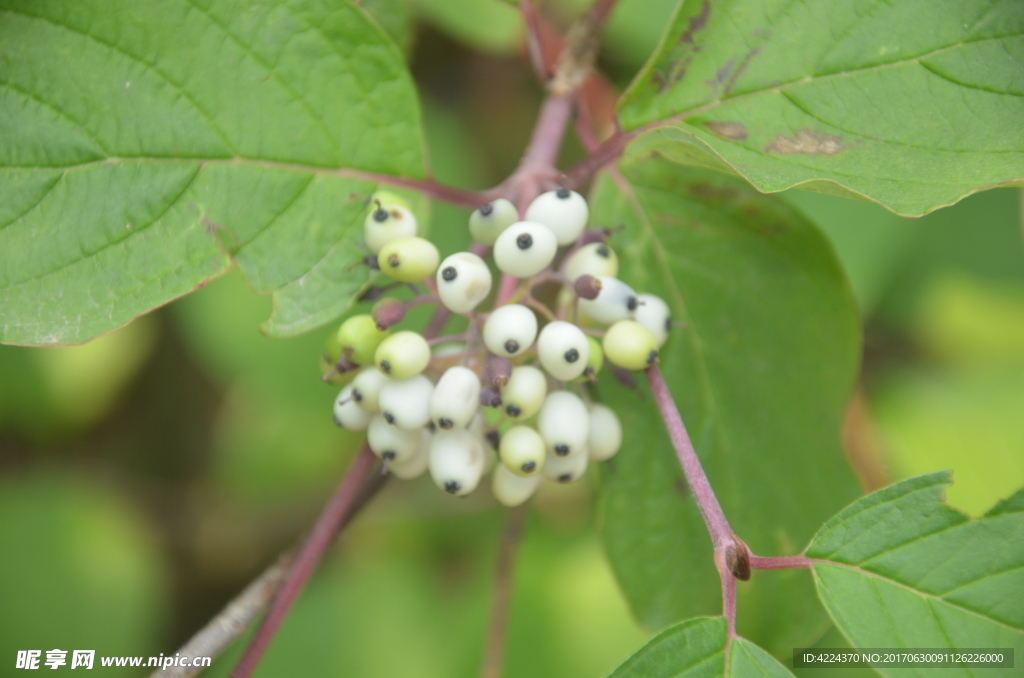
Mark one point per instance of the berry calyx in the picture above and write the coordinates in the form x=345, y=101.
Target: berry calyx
x=347, y=414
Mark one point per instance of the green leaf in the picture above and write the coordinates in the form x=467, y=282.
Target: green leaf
x=911, y=103
x=148, y=146
x=899, y=568
x=700, y=648
x=761, y=374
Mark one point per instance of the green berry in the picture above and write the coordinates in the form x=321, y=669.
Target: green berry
x=522, y=451
x=629, y=344
x=408, y=259
x=358, y=338
x=389, y=198
x=524, y=393
x=402, y=355
x=594, y=361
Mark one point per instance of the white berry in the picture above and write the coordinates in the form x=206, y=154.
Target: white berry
x=488, y=221
x=390, y=442
x=525, y=248
x=347, y=413
x=463, y=281
x=402, y=355
x=563, y=350
x=415, y=465
x=455, y=399
x=653, y=313
x=510, y=489
x=596, y=259
x=510, y=330
x=406, y=402
x=366, y=388
x=457, y=461
x=386, y=223
x=522, y=450
x=565, y=212
x=616, y=301
x=566, y=469
x=564, y=423
x=524, y=393
x=605, y=437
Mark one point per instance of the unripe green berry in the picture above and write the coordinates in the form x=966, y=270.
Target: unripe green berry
x=596, y=259
x=522, y=451
x=347, y=414
x=408, y=259
x=565, y=212
x=653, y=313
x=457, y=461
x=391, y=443
x=605, y=437
x=523, y=395
x=359, y=338
x=563, y=350
x=366, y=388
x=630, y=345
x=566, y=469
x=385, y=223
x=564, y=424
x=402, y=355
x=595, y=361
x=510, y=489
x=488, y=221
x=406, y=402
x=510, y=330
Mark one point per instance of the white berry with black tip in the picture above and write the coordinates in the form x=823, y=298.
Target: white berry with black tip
x=564, y=424
x=457, y=461
x=390, y=443
x=565, y=212
x=653, y=313
x=616, y=301
x=566, y=469
x=510, y=489
x=596, y=259
x=605, y=437
x=510, y=330
x=402, y=355
x=563, y=350
x=366, y=388
x=456, y=398
x=524, y=249
x=416, y=465
x=406, y=402
x=385, y=223
x=488, y=221
x=347, y=413
x=522, y=450
x=523, y=395
x=463, y=281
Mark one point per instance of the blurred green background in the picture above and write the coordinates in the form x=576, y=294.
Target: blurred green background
x=146, y=477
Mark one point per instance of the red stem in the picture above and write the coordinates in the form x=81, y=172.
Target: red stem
x=779, y=562
x=534, y=43
x=607, y=152
x=338, y=510
x=456, y=196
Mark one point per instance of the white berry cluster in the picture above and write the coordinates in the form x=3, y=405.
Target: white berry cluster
x=514, y=385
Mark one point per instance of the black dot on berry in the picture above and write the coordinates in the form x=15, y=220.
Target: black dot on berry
x=651, y=357
x=445, y=423
x=357, y=396
x=380, y=214
x=449, y=273
x=389, y=418
x=631, y=303
x=389, y=455
x=385, y=367
x=452, y=486
x=668, y=324
x=563, y=193
x=528, y=467
x=565, y=477
x=572, y=355
x=511, y=345
x=394, y=261
x=338, y=421
x=524, y=241
x=588, y=372
x=513, y=410
x=486, y=209
x=561, y=450
x=604, y=252
x=432, y=426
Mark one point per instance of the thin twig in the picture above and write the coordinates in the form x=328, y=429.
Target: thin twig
x=494, y=645
x=607, y=152
x=333, y=517
x=780, y=562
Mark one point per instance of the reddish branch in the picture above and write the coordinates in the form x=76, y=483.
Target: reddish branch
x=494, y=647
